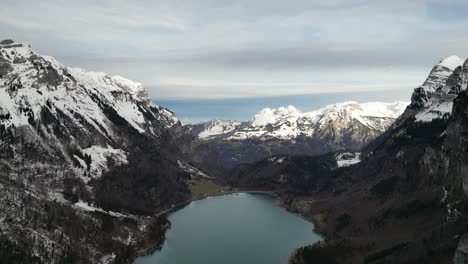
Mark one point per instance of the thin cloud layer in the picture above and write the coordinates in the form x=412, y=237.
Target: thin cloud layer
x=223, y=49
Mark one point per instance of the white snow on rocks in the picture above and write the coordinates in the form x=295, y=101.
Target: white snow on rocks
x=348, y=159
x=218, y=127
x=101, y=156
x=436, y=96
x=270, y=116
x=452, y=62
x=36, y=87
x=440, y=73
x=437, y=110
x=276, y=159
x=76, y=92
x=289, y=123
x=111, y=87
x=8, y=106
x=86, y=207
x=193, y=171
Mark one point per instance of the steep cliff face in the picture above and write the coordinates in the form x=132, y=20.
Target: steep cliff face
x=84, y=157
x=456, y=144
x=220, y=146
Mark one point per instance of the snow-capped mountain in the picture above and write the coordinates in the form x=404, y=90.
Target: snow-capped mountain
x=434, y=99
x=288, y=123
x=286, y=130
x=80, y=142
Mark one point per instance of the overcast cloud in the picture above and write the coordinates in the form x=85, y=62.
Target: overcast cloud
x=228, y=48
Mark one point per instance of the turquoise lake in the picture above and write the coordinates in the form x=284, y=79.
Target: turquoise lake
x=232, y=229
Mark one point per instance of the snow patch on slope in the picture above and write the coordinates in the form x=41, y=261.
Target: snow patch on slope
x=218, y=127
x=86, y=207
x=437, y=110
x=101, y=158
x=194, y=172
x=347, y=159
x=278, y=159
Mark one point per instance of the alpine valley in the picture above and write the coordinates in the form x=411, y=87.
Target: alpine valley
x=89, y=164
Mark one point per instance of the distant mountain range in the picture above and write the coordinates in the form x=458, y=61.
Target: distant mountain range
x=288, y=123
x=286, y=130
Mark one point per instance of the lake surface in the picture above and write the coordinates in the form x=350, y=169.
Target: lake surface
x=232, y=229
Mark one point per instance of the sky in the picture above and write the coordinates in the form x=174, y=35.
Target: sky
x=230, y=49
x=191, y=111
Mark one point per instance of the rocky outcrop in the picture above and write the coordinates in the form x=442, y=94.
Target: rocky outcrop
x=86, y=160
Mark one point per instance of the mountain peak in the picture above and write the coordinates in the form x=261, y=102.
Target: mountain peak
x=23, y=61
x=434, y=99
x=452, y=62
x=268, y=116
x=437, y=78
x=34, y=80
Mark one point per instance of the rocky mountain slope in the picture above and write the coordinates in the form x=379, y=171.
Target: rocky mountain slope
x=86, y=159
x=221, y=145
x=405, y=201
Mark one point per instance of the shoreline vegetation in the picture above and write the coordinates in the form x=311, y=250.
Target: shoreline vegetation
x=220, y=191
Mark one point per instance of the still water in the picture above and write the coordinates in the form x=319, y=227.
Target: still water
x=232, y=229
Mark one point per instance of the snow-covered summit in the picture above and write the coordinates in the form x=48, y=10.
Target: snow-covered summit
x=452, y=62
x=269, y=116
x=288, y=122
x=110, y=82
x=434, y=98
x=40, y=80
x=441, y=72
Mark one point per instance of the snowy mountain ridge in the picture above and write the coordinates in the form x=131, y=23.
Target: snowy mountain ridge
x=434, y=98
x=441, y=71
x=289, y=123
x=42, y=78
